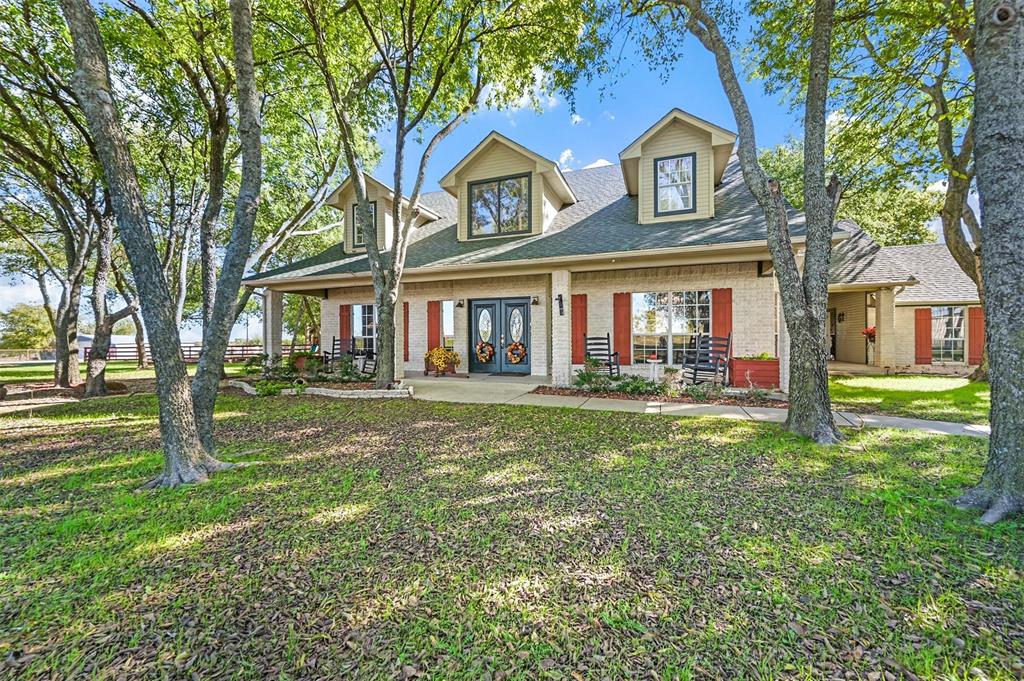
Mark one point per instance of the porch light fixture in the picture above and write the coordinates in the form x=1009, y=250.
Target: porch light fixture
x=461, y=302
x=535, y=301
x=841, y=317
x=561, y=305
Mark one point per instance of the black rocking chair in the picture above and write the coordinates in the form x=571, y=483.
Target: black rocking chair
x=599, y=349
x=709, y=361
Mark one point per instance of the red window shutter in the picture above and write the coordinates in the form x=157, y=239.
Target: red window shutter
x=433, y=324
x=721, y=312
x=975, y=334
x=345, y=321
x=579, y=327
x=622, y=326
x=923, y=335
x=405, y=331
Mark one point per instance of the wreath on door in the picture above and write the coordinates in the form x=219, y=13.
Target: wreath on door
x=484, y=352
x=515, y=352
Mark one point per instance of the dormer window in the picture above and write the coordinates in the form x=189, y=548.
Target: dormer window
x=674, y=190
x=499, y=206
x=357, y=225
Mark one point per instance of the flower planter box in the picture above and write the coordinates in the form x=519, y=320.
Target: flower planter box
x=754, y=373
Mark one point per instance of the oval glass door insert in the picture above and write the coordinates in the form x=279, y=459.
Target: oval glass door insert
x=483, y=325
x=515, y=325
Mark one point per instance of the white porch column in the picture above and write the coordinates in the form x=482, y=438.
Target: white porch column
x=400, y=334
x=885, y=328
x=561, y=329
x=462, y=340
x=783, y=349
x=273, y=323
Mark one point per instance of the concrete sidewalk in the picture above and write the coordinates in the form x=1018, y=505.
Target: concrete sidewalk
x=507, y=390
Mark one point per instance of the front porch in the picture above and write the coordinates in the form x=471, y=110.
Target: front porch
x=862, y=330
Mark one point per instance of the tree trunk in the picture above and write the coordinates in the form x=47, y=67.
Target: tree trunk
x=385, y=340
x=804, y=295
x=185, y=460
x=140, y=340
x=999, y=159
x=66, y=368
x=217, y=332
x=96, y=378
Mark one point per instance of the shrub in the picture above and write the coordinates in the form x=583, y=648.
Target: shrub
x=255, y=364
x=269, y=388
x=703, y=392
x=758, y=356
x=638, y=385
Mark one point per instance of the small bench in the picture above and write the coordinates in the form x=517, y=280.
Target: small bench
x=599, y=349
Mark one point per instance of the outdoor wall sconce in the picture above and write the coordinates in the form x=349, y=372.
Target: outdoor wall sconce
x=561, y=305
x=535, y=301
x=461, y=302
x=842, y=317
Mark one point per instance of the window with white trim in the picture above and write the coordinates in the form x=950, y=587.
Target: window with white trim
x=364, y=328
x=948, y=334
x=666, y=324
x=448, y=324
x=357, y=225
x=673, y=184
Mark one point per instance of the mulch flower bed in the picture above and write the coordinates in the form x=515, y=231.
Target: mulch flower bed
x=734, y=400
x=333, y=385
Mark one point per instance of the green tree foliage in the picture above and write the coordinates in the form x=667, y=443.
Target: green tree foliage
x=893, y=214
x=25, y=326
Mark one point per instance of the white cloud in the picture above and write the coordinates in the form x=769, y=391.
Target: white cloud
x=537, y=94
x=565, y=159
x=576, y=119
x=609, y=115
x=599, y=163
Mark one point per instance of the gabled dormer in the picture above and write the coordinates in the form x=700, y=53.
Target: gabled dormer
x=382, y=211
x=506, y=190
x=674, y=167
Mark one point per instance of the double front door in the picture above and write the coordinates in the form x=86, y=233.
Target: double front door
x=500, y=335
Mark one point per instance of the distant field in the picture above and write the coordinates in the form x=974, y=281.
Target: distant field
x=119, y=370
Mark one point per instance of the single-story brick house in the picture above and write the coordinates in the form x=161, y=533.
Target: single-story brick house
x=665, y=246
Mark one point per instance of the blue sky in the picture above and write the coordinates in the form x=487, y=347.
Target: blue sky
x=608, y=121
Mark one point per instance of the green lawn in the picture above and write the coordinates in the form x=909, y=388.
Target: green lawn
x=385, y=539
x=940, y=398
x=116, y=371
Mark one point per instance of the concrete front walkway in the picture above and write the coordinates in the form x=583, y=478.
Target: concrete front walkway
x=509, y=390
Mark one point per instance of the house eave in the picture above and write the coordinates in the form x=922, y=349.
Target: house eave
x=739, y=251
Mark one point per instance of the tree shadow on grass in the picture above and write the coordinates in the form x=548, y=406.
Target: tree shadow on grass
x=468, y=540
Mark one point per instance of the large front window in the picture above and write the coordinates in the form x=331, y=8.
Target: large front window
x=666, y=324
x=357, y=224
x=947, y=334
x=674, y=185
x=364, y=328
x=500, y=206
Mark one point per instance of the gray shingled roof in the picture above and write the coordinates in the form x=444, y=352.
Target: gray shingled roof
x=940, y=278
x=860, y=260
x=602, y=221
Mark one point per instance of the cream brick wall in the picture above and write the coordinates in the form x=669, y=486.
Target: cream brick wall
x=753, y=302
x=850, y=342
x=677, y=138
x=753, y=299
